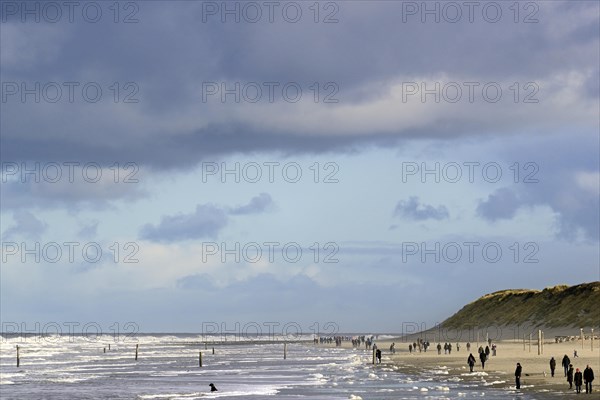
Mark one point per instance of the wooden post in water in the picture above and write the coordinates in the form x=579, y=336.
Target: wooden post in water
x=592, y=339
x=136, y=351
x=285, y=351
x=530, y=342
x=213, y=350
x=105, y=350
x=200, y=359
x=373, y=356
x=109, y=347
x=542, y=342
x=539, y=340
x=18, y=357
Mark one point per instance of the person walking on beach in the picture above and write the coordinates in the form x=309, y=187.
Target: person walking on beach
x=378, y=355
x=487, y=352
x=471, y=361
x=468, y=346
x=588, y=377
x=439, y=347
x=552, y=366
x=565, y=363
x=570, y=376
x=482, y=358
x=449, y=348
x=578, y=380
x=518, y=376
x=410, y=348
x=457, y=346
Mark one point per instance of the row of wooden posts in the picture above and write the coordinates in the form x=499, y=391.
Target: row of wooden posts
x=137, y=347
x=540, y=341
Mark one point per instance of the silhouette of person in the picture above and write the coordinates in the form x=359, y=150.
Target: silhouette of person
x=565, y=363
x=552, y=366
x=578, y=380
x=471, y=361
x=588, y=377
x=518, y=376
x=570, y=376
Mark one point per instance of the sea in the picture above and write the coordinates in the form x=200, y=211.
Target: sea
x=168, y=367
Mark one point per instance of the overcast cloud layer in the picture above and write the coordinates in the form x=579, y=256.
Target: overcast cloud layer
x=184, y=146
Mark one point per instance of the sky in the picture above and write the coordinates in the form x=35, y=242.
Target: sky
x=333, y=166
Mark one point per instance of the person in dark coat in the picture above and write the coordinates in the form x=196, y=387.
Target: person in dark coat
x=565, y=363
x=482, y=358
x=570, y=376
x=588, y=377
x=471, y=361
x=518, y=376
x=578, y=378
x=552, y=366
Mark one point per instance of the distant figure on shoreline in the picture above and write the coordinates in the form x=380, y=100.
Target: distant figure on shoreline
x=457, y=346
x=570, y=376
x=578, y=380
x=439, y=348
x=378, y=355
x=575, y=354
x=393, y=348
x=552, y=366
x=471, y=361
x=410, y=348
x=213, y=388
x=494, y=349
x=468, y=346
x=588, y=377
x=518, y=376
x=482, y=358
x=565, y=363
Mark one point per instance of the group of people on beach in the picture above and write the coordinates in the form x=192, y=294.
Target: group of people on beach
x=574, y=375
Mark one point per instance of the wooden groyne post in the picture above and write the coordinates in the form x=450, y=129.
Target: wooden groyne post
x=373, y=356
x=136, y=351
x=285, y=351
x=200, y=359
x=18, y=357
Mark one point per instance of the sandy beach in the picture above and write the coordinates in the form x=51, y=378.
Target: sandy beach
x=499, y=369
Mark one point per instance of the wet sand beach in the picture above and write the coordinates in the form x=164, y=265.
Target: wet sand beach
x=499, y=370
